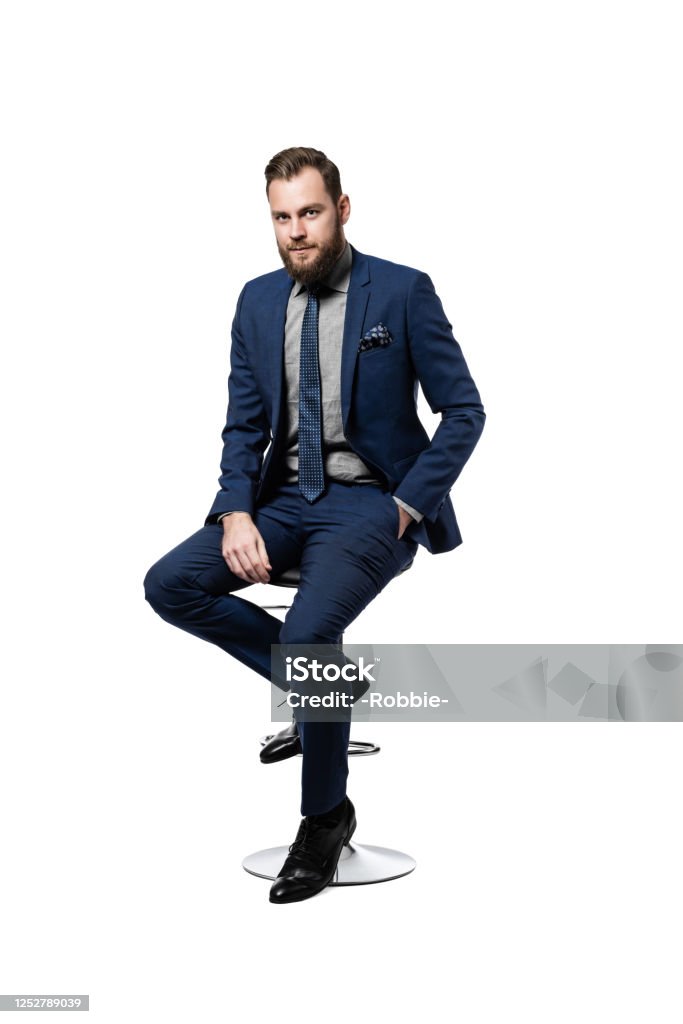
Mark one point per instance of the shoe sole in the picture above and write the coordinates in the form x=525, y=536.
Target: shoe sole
x=282, y=756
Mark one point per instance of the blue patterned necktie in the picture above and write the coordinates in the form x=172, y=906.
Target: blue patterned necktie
x=311, y=476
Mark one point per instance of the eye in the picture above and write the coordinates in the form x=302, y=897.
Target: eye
x=312, y=211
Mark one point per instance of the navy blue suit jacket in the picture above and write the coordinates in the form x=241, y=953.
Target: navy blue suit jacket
x=379, y=389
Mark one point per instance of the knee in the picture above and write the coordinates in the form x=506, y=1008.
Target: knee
x=163, y=587
x=296, y=633
x=153, y=585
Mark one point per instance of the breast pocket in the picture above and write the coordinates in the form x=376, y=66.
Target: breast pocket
x=368, y=353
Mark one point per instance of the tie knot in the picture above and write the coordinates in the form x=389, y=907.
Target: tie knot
x=313, y=289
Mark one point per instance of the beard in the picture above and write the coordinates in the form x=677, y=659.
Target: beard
x=318, y=266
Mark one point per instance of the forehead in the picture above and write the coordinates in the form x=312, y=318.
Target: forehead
x=306, y=188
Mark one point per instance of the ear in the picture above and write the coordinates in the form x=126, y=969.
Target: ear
x=344, y=207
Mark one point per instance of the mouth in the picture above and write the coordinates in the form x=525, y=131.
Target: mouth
x=302, y=248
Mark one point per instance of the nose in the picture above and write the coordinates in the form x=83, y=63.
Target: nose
x=297, y=229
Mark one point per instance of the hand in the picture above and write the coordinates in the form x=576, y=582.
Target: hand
x=243, y=549
x=404, y=520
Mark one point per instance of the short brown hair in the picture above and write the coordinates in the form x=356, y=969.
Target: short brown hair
x=288, y=162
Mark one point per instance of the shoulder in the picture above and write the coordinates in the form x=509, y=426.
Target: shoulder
x=275, y=280
x=382, y=270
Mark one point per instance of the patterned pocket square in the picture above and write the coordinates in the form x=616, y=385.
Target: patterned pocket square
x=376, y=336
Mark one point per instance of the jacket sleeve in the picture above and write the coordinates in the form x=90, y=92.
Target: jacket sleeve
x=246, y=433
x=448, y=387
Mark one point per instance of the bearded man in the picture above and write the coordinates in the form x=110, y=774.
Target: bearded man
x=325, y=361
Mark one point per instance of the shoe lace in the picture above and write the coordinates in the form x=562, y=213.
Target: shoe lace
x=304, y=846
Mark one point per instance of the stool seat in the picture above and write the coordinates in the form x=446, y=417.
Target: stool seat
x=288, y=578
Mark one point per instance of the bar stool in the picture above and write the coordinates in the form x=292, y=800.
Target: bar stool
x=358, y=864
x=290, y=579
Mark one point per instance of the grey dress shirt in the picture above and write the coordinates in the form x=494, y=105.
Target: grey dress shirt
x=340, y=461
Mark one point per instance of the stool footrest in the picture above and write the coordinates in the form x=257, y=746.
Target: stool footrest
x=357, y=748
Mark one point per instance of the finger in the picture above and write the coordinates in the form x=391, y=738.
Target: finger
x=234, y=562
x=234, y=566
x=257, y=564
x=246, y=566
x=263, y=554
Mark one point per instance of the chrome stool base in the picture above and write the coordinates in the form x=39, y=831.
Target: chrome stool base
x=358, y=864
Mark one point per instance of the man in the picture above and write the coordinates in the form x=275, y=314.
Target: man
x=325, y=360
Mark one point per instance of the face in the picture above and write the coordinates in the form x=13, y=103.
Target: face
x=308, y=225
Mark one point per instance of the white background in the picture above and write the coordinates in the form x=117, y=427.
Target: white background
x=527, y=156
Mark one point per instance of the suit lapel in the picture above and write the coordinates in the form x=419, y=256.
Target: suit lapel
x=277, y=334
x=356, y=304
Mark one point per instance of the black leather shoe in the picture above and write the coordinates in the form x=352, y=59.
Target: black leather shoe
x=314, y=855
x=359, y=689
x=287, y=743
x=282, y=745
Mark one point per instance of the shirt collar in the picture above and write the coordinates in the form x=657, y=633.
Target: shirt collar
x=338, y=278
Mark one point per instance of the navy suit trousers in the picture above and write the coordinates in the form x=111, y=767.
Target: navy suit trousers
x=347, y=546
